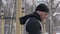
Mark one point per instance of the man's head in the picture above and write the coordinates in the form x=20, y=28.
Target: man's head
x=42, y=10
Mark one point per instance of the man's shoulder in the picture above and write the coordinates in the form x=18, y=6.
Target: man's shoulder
x=33, y=19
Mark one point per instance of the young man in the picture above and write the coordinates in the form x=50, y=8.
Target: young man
x=33, y=25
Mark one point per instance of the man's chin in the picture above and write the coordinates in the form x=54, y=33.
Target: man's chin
x=44, y=20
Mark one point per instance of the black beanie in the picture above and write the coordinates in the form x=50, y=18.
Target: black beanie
x=42, y=7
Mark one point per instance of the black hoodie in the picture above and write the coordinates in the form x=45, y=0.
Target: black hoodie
x=23, y=19
x=33, y=26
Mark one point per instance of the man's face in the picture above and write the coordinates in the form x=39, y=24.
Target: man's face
x=43, y=15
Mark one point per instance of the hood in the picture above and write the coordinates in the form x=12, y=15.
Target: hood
x=24, y=18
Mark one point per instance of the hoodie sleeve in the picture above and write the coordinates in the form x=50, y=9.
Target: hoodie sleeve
x=33, y=26
x=23, y=19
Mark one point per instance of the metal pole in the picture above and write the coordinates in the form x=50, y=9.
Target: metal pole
x=2, y=25
x=19, y=14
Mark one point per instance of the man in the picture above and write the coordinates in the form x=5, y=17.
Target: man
x=33, y=25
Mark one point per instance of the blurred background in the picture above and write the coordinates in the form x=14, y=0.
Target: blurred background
x=8, y=12
x=7, y=17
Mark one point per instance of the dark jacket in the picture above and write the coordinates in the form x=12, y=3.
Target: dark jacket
x=33, y=26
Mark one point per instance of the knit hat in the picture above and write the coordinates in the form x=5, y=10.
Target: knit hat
x=42, y=7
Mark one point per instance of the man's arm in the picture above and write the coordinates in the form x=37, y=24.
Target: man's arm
x=33, y=25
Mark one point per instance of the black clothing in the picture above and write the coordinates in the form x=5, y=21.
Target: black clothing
x=23, y=19
x=33, y=26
